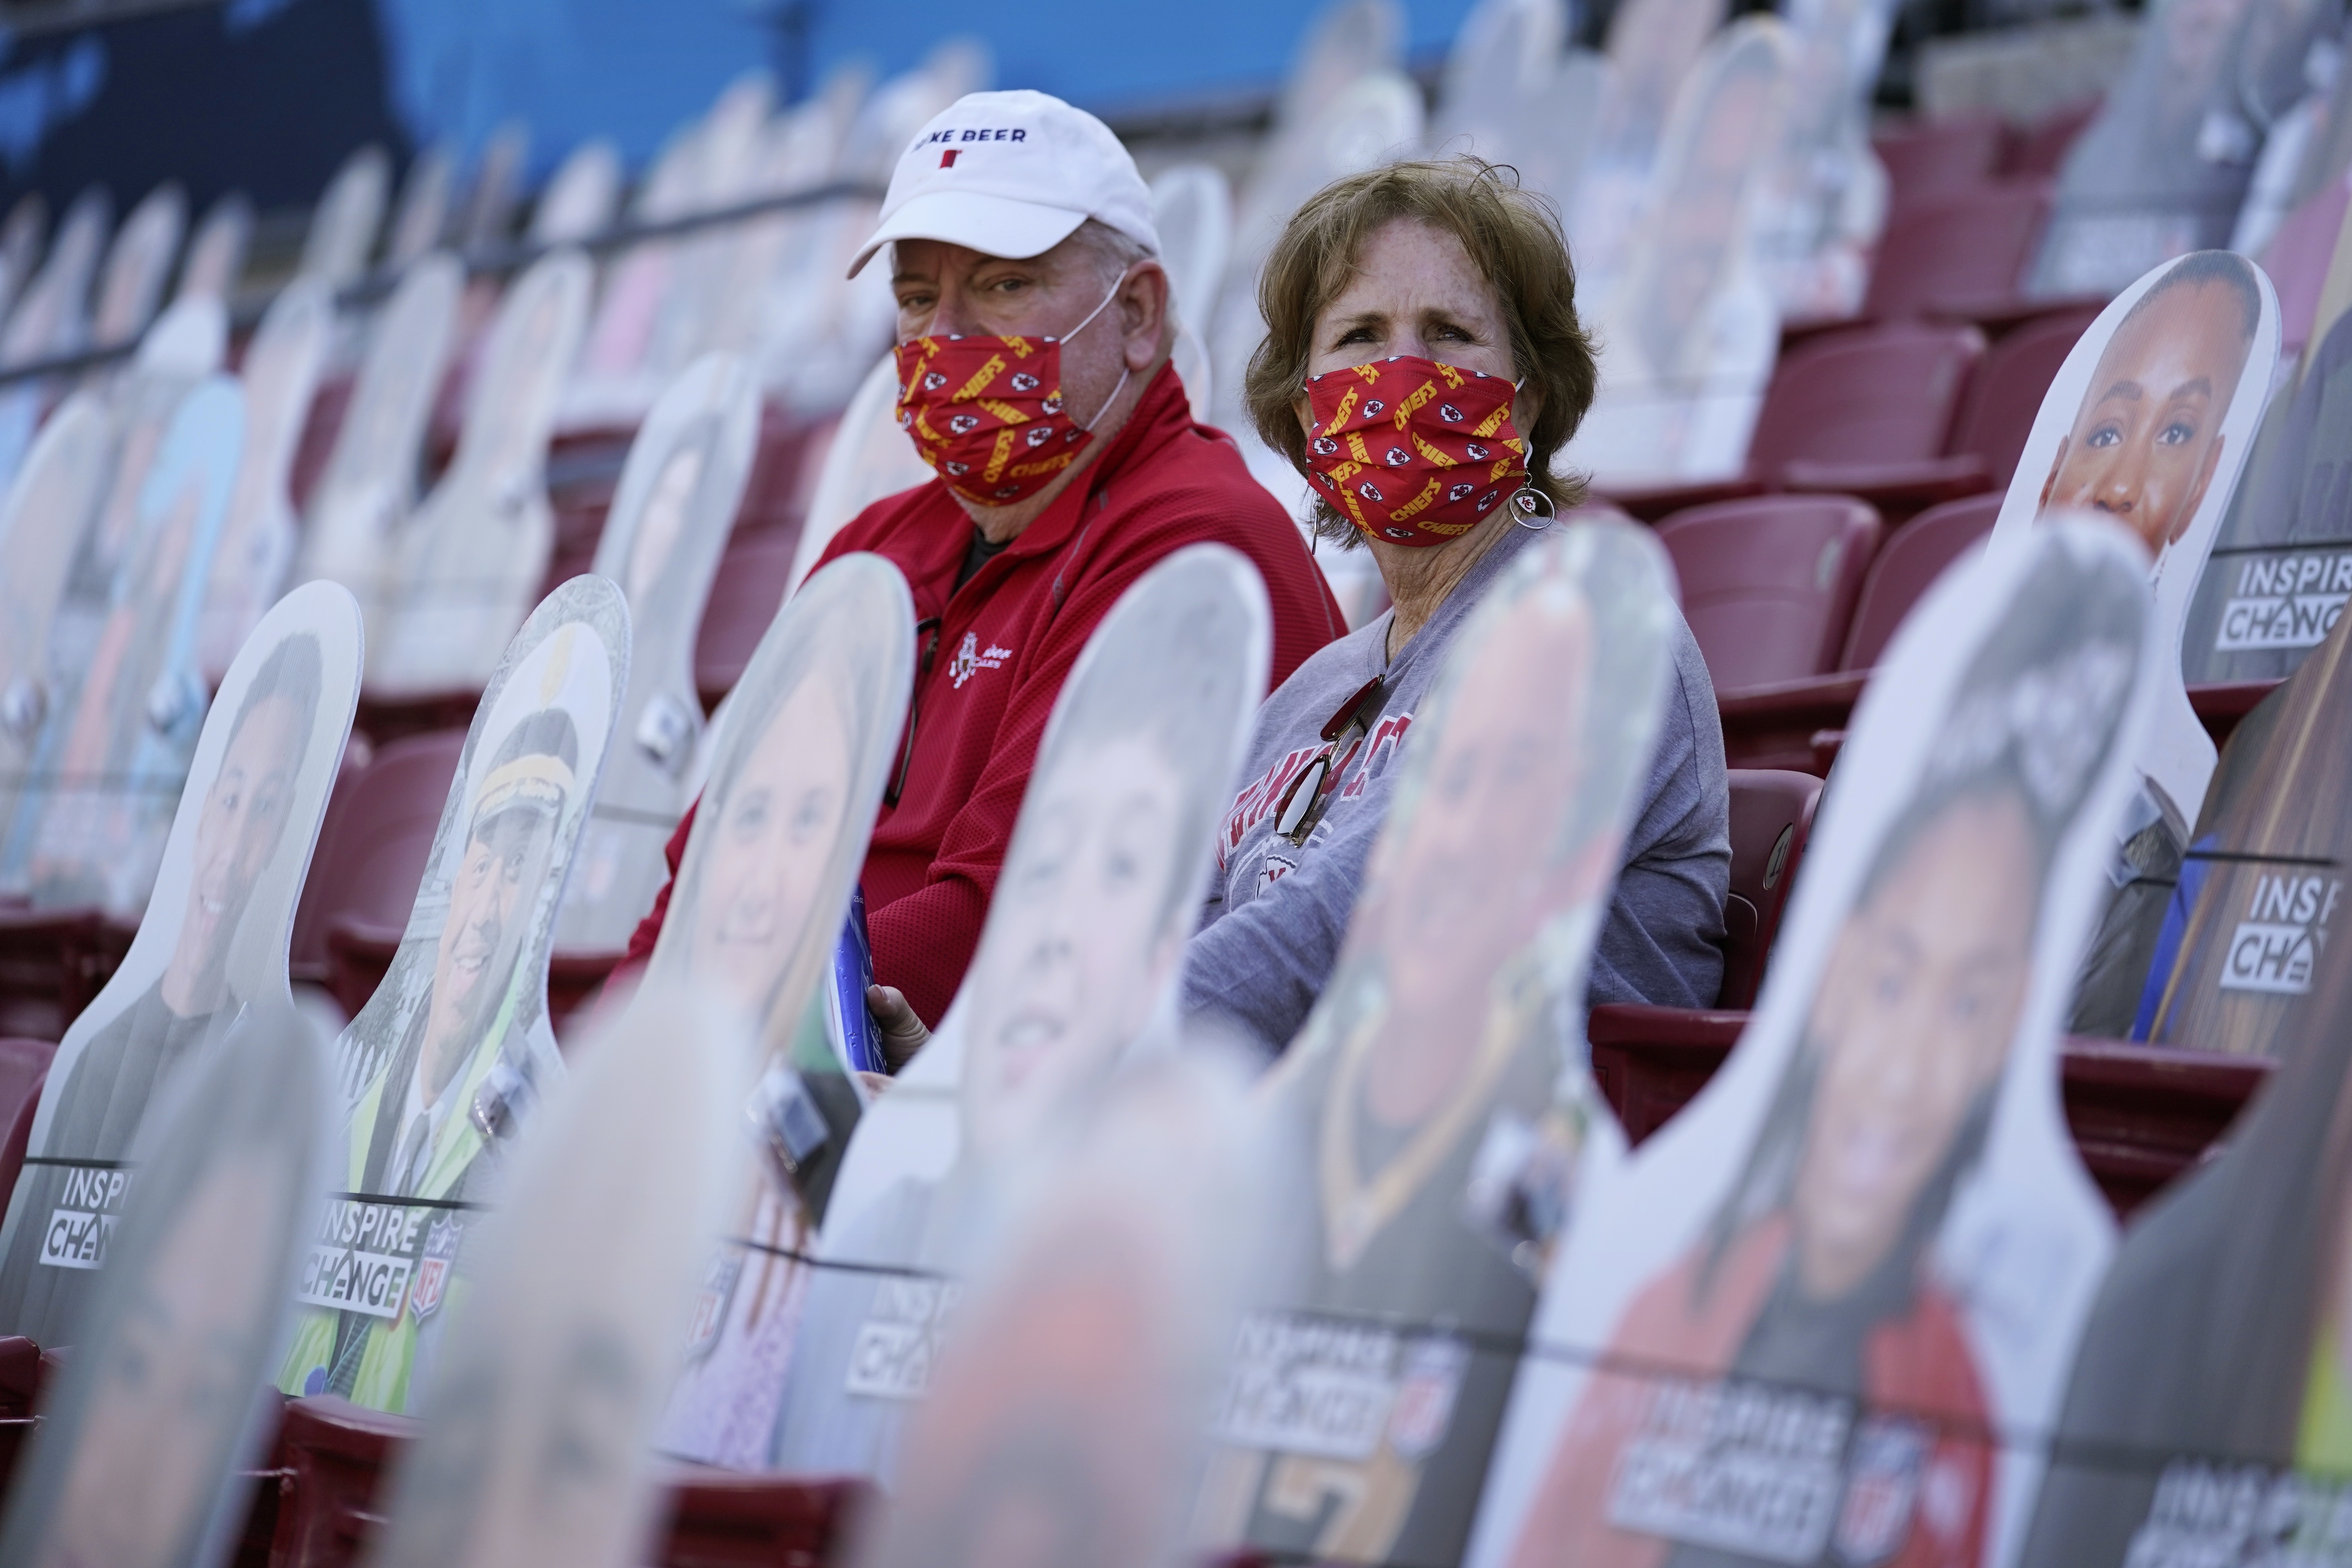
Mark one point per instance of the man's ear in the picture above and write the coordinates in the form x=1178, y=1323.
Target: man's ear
x=1144, y=314
x=2050, y=483
x=2196, y=497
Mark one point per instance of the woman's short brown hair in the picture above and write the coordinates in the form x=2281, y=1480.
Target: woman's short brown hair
x=1514, y=239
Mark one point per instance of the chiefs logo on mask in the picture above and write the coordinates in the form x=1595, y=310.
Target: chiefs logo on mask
x=1439, y=438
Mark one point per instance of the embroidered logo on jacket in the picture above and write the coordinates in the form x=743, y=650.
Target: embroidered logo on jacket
x=971, y=658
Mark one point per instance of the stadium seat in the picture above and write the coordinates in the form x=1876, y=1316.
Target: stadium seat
x=20, y=1390
x=1910, y=561
x=306, y=960
x=52, y=963
x=2003, y=396
x=324, y=423
x=2140, y=1115
x=1769, y=582
x=2036, y=152
x=1934, y=157
x=23, y=1072
x=1956, y=249
x=2296, y=260
x=744, y=597
x=371, y=858
x=1771, y=818
x=332, y=1458
x=1867, y=413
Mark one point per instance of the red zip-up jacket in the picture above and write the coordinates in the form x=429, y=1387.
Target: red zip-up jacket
x=990, y=657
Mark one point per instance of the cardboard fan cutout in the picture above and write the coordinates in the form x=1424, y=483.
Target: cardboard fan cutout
x=1654, y=48
x=370, y=481
x=580, y=198
x=2149, y=420
x=132, y=285
x=1823, y=201
x=49, y=318
x=776, y=846
x=41, y=526
x=1690, y=332
x=257, y=549
x=444, y=1064
x=2205, y=1417
x=147, y=1441
x=1427, y=1114
x=116, y=747
x=343, y=226
x=2281, y=567
x=216, y=257
x=209, y=957
x=868, y=458
x=2164, y=168
x=21, y=233
x=465, y=566
x=1069, y=1408
x=420, y=220
x=2245, y=932
x=568, y=1332
x=1796, y=1324
x=1511, y=96
x=1075, y=968
x=486, y=215
x=662, y=538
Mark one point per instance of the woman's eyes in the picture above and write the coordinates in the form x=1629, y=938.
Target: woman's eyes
x=2179, y=433
x=1357, y=335
x=2109, y=434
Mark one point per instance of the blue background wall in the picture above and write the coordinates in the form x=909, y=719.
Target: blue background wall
x=268, y=95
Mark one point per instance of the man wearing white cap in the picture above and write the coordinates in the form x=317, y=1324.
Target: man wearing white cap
x=1033, y=333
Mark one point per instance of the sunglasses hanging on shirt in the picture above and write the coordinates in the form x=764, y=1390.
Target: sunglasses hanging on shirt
x=1318, y=784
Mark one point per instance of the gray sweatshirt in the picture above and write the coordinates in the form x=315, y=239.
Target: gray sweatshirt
x=1276, y=912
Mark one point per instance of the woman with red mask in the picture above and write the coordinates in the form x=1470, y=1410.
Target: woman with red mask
x=1423, y=364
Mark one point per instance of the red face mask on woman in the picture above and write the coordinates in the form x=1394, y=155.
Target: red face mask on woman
x=987, y=413
x=1411, y=451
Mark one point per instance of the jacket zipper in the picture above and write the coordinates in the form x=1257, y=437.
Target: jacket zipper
x=929, y=629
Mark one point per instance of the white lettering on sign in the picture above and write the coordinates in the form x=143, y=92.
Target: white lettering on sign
x=1304, y=1385
x=2205, y=1514
x=83, y=1225
x=363, y=1258
x=1737, y=1468
x=2275, y=948
x=2284, y=601
x=895, y=1346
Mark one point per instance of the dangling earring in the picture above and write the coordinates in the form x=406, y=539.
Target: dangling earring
x=1523, y=503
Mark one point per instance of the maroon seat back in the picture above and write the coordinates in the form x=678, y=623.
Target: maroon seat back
x=1771, y=818
x=306, y=957
x=1934, y=157
x=26, y=1072
x=2038, y=151
x=378, y=833
x=1912, y=557
x=1997, y=415
x=1874, y=395
x=744, y=597
x=1969, y=244
x=1769, y=582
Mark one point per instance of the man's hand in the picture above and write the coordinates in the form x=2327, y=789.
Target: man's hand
x=903, y=1034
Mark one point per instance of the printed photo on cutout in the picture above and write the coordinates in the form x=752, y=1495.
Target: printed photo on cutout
x=811, y=732
x=115, y=749
x=1789, y=1326
x=210, y=952
x=445, y=1062
x=147, y=1440
x=1076, y=966
x=669, y=522
x=1427, y=1115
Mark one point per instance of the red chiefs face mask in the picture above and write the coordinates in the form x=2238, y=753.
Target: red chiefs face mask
x=1411, y=451
x=987, y=413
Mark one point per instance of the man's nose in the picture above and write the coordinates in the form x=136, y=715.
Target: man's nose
x=2119, y=488
x=951, y=314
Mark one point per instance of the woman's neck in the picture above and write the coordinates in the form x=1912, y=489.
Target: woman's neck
x=1419, y=581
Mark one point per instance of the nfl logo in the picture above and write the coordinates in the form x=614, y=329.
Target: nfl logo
x=1881, y=1488
x=1424, y=1399
x=441, y=1238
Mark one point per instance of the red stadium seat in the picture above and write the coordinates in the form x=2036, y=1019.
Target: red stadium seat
x=332, y=1458
x=24, y=1072
x=2296, y=260
x=1962, y=247
x=745, y=599
x=2036, y=152
x=1867, y=412
x=306, y=960
x=1771, y=817
x=1769, y=582
x=1997, y=415
x=20, y=1393
x=52, y=963
x=1934, y=157
x=2140, y=1115
x=1912, y=557
x=371, y=858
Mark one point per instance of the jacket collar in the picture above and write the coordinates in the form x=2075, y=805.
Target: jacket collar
x=1160, y=415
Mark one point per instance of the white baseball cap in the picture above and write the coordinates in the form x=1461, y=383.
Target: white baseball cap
x=1012, y=174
